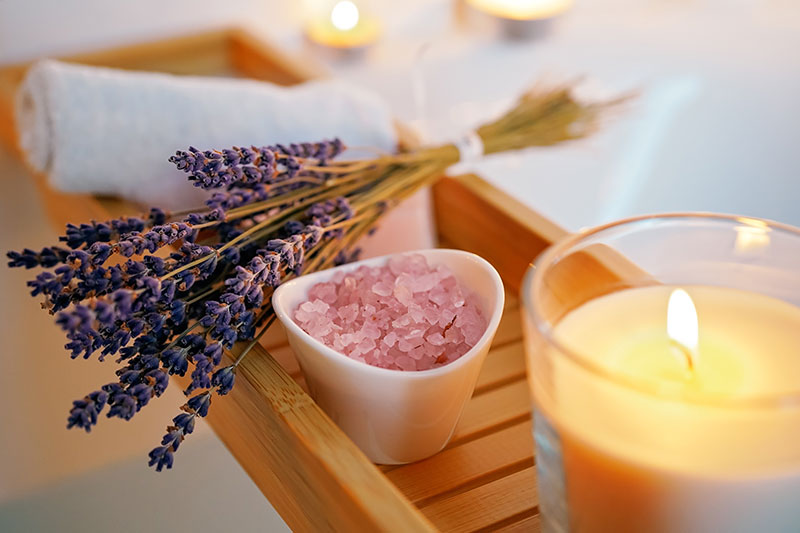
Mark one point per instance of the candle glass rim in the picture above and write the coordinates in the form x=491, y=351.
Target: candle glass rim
x=532, y=286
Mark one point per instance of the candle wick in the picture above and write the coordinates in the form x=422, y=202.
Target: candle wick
x=686, y=354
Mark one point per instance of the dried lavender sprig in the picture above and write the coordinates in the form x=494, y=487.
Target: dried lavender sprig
x=212, y=169
x=254, y=210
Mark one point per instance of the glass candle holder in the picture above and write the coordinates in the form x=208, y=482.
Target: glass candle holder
x=664, y=364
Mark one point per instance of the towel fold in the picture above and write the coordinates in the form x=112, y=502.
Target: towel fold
x=107, y=131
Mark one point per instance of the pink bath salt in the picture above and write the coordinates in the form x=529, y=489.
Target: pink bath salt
x=348, y=313
x=323, y=291
x=403, y=315
x=403, y=295
x=436, y=339
x=390, y=339
x=417, y=353
x=381, y=288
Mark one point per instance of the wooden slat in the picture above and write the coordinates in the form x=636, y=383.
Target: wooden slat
x=275, y=337
x=495, y=409
x=310, y=471
x=501, y=502
x=512, y=300
x=285, y=357
x=531, y=524
x=473, y=463
x=475, y=216
x=510, y=327
x=255, y=58
x=502, y=366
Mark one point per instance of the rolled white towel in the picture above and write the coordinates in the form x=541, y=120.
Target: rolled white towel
x=108, y=131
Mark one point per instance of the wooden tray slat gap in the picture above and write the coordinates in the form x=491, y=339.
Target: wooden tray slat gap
x=487, y=506
x=519, y=521
x=497, y=408
x=499, y=384
x=465, y=466
x=529, y=524
x=489, y=477
x=509, y=329
x=503, y=365
x=489, y=430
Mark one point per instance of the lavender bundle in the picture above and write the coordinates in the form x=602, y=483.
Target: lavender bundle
x=168, y=293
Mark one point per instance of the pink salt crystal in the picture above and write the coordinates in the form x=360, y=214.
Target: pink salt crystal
x=404, y=315
x=405, y=345
x=320, y=306
x=446, y=317
x=382, y=288
x=417, y=353
x=438, y=296
x=472, y=334
x=431, y=315
x=348, y=313
x=415, y=336
x=426, y=363
x=405, y=363
x=431, y=350
x=402, y=321
x=366, y=345
x=456, y=297
x=323, y=291
x=416, y=313
x=371, y=331
x=424, y=283
x=435, y=339
x=403, y=294
x=390, y=339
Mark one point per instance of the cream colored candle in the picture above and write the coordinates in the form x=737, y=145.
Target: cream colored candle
x=672, y=429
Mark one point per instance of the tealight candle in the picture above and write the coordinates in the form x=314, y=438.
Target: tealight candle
x=521, y=18
x=343, y=27
x=667, y=397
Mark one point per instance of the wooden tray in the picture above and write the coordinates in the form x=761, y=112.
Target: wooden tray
x=311, y=472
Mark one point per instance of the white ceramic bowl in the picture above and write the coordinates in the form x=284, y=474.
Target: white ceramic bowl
x=394, y=416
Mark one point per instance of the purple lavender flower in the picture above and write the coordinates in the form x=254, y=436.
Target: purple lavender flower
x=223, y=379
x=84, y=412
x=47, y=258
x=198, y=404
x=321, y=151
x=200, y=374
x=175, y=312
x=161, y=457
x=252, y=166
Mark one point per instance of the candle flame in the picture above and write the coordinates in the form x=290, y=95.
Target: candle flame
x=344, y=15
x=682, y=325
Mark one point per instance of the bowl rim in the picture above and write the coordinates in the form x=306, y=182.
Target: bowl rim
x=288, y=322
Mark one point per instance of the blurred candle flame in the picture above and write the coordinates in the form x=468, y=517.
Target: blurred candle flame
x=344, y=15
